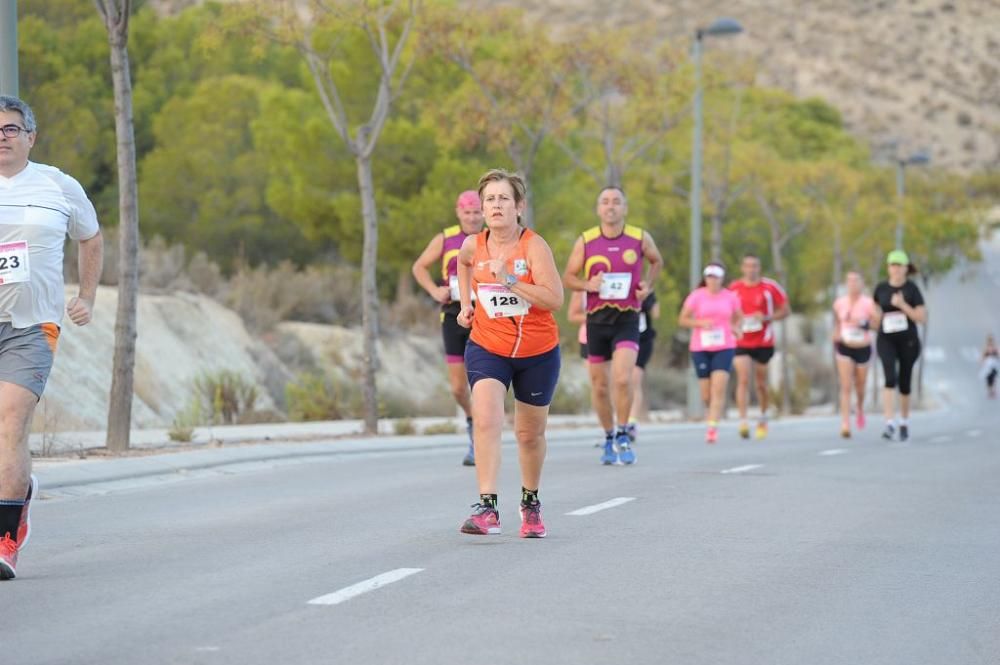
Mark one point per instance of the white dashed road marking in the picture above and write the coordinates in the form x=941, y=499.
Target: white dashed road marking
x=598, y=507
x=742, y=469
x=360, y=588
x=834, y=451
x=974, y=433
x=944, y=438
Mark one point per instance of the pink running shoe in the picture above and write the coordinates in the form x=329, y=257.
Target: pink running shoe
x=531, y=521
x=484, y=520
x=861, y=419
x=712, y=435
x=8, y=557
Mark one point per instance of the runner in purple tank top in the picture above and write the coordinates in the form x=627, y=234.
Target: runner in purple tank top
x=443, y=250
x=606, y=263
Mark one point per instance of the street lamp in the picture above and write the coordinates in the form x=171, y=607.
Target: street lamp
x=8, y=47
x=916, y=159
x=721, y=27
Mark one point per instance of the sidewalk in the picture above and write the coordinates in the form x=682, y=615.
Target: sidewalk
x=218, y=449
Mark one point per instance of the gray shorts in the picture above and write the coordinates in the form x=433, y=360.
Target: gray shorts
x=26, y=355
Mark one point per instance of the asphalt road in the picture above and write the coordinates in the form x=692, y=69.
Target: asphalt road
x=879, y=553
x=802, y=549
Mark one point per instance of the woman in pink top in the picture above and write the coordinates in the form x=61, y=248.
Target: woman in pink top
x=715, y=318
x=852, y=337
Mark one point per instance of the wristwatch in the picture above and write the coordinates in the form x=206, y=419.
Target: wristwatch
x=510, y=280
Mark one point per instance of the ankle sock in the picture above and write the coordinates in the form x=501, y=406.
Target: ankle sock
x=488, y=500
x=10, y=516
x=529, y=497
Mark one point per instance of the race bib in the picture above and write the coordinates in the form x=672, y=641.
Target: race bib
x=14, y=262
x=712, y=337
x=615, y=285
x=894, y=322
x=752, y=325
x=500, y=302
x=642, y=322
x=455, y=294
x=853, y=335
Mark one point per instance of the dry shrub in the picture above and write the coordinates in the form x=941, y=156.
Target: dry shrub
x=445, y=427
x=265, y=296
x=315, y=397
x=227, y=394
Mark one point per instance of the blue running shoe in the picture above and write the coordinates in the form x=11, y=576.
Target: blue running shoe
x=632, y=429
x=625, y=453
x=610, y=455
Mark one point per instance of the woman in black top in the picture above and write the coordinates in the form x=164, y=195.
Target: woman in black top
x=899, y=307
x=649, y=314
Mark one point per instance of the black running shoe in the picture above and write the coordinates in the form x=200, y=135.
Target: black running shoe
x=904, y=432
x=889, y=433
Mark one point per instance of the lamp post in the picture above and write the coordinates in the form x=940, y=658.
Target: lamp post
x=915, y=159
x=8, y=47
x=721, y=27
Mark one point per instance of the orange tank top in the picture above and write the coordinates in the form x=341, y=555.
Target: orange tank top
x=516, y=329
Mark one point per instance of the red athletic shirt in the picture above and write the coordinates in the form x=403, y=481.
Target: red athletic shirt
x=766, y=296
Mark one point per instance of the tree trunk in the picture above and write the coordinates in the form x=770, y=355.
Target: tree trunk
x=786, y=382
x=876, y=365
x=120, y=405
x=369, y=292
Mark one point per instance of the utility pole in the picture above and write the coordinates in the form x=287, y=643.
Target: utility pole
x=8, y=48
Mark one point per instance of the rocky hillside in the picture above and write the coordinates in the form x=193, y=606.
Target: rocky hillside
x=925, y=73
x=182, y=336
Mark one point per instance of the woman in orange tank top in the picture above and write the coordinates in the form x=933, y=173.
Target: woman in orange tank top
x=514, y=341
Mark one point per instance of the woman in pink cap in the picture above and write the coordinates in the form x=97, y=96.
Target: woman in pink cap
x=715, y=317
x=443, y=250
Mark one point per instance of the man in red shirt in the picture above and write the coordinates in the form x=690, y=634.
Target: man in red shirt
x=763, y=302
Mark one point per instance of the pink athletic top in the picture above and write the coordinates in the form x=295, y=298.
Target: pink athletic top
x=719, y=308
x=851, y=318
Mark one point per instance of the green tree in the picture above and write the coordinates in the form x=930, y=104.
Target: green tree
x=204, y=183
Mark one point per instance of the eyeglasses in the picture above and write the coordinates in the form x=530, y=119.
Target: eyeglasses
x=13, y=131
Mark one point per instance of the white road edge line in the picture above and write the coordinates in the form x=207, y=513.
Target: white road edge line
x=834, y=451
x=598, y=507
x=742, y=469
x=354, y=590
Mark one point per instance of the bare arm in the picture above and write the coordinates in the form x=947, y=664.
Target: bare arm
x=917, y=314
x=421, y=270
x=91, y=263
x=782, y=312
x=687, y=320
x=655, y=260
x=571, y=276
x=547, y=291
x=465, y=259
x=576, y=313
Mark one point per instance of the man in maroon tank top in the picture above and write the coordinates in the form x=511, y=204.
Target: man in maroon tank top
x=606, y=263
